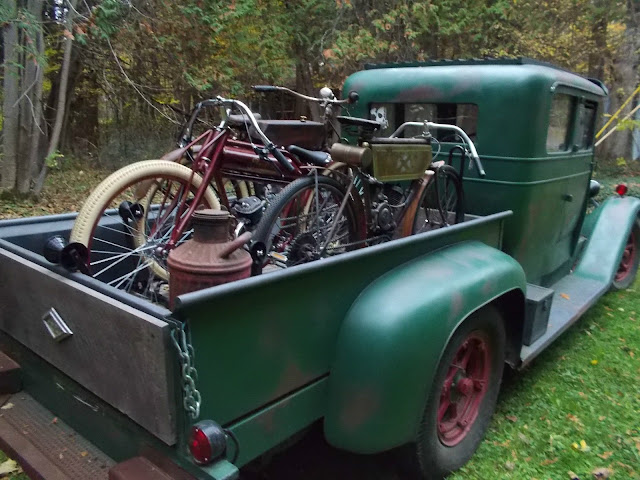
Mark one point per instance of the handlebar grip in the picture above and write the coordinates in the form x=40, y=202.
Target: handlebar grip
x=265, y=88
x=478, y=163
x=282, y=159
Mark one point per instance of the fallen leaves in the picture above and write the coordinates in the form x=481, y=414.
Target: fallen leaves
x=581, y=447
x=7, y=406
x=605, y=455
x=8, y=467
x=573, y=418
x=524, y=438
x=601, y=473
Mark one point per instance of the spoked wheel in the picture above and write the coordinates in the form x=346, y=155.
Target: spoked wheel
x=628, y=267
x=442, y=202
x=463, y=397
x=463, y=389
x=128, y=219
x=305, y=223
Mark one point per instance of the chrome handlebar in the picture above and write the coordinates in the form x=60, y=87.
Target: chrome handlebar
x=228, y=104
x=445, y=126
x=327, y=95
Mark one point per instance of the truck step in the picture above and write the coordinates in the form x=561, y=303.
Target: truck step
x=573, y=295
x=45, y=446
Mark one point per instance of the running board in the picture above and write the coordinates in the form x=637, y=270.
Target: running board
x=573, y=295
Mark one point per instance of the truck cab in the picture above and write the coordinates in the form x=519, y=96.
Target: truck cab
x=533, y=125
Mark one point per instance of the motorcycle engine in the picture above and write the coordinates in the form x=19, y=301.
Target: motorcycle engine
x=383, y=210
x=382, y=215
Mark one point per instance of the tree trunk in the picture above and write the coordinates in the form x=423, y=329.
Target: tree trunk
x=23, y=98
x=31, y=119
x=10, y=109
x=304, y=85
x=619, y=144
x=62, y=101
x=599, y=35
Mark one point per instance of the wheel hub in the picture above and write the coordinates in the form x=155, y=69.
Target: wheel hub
x=463, y=389
x=304, y=248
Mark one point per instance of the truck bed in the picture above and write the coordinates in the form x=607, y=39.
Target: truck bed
x=262, y=371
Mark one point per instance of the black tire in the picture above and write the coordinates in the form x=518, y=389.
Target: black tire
x=430, y=457
x=442, y=202
x=300, y=236
x=628, y=267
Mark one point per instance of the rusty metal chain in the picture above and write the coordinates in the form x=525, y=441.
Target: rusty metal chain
x=189, y=374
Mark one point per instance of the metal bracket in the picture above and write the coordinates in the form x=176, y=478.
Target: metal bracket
x=55, y=325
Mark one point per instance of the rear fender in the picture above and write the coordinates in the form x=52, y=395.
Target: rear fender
x=607, y=229
x=393, y=337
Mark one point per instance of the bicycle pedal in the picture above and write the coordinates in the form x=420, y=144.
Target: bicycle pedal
x=280, y=259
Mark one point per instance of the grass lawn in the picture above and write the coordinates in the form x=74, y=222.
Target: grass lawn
x=584, y=388
x=574, y=410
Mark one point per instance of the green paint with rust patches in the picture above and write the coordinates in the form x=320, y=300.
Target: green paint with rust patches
x=546, y=191
x=607, y=229
x=268, y=337
x=392, y=339
x=279, y=421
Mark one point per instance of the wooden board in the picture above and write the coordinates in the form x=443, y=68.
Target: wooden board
x=117, y=352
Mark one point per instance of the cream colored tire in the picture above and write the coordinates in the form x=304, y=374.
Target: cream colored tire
x=142, y=175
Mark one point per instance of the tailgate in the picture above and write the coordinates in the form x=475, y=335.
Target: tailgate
x=117, y=352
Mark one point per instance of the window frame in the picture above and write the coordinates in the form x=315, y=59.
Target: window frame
x=400, y=108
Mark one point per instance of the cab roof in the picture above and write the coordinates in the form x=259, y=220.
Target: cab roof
x=483, y=76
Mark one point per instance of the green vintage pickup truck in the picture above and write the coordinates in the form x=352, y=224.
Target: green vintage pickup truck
x=398, y=346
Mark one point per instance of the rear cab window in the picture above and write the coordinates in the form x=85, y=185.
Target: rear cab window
x=392, y=115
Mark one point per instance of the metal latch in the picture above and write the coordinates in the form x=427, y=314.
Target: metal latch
x=56, y=326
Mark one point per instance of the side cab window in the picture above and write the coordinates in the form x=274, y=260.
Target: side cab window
x=586, y=124
x=561, y=134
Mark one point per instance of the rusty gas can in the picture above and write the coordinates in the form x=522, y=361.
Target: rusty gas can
x=210, y=258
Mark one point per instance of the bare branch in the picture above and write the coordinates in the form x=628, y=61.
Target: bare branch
x=172, y=120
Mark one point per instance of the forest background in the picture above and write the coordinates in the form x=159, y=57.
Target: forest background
x=106, y=82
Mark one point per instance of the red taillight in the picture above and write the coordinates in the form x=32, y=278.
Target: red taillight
x=206, y=442
x=621, y=189
x=199, y=446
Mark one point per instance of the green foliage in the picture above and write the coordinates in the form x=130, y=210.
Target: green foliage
x=150, y=60
x=628, y=124
x=106, y=16
x=53, y=160
x=30, y=26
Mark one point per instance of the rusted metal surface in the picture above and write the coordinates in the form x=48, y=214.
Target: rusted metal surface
x=115, y=351
x=210, y=258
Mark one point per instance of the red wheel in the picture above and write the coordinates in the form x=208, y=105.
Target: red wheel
x=464, y=388
x=628, y=266
x=463, y=397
